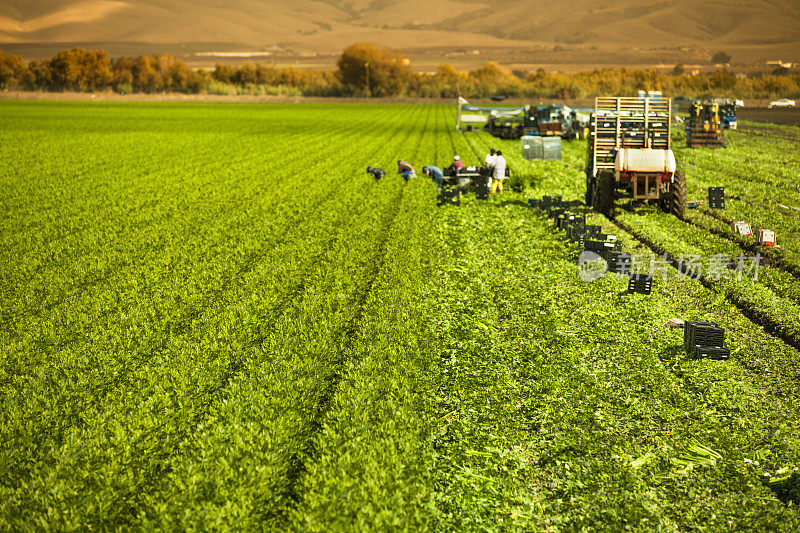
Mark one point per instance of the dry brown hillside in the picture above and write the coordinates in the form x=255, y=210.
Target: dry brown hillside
x=677, y=30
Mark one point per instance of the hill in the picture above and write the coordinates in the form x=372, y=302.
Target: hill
x=672, y=30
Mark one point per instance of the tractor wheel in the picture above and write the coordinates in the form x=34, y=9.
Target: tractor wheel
x=603, y=197
x=589, y=190
x=677, y=193
x=665, y=202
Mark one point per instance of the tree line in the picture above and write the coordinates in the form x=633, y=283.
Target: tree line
x=366, y=69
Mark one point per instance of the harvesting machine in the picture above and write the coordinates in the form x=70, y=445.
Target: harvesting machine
x=704, y=128
x=630, y=155
x=554, y=120
x=728, y=109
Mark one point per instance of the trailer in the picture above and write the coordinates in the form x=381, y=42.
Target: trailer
x=555, y=121
x=630, y=155
x=488, y=117
x=514, y=122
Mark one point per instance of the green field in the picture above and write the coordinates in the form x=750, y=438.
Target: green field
x=214, y=319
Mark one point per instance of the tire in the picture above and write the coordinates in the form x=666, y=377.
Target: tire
x=603, y=197
x=677, y=192
x=665, y=202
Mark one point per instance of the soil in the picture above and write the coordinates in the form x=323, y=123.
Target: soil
x=786, y=116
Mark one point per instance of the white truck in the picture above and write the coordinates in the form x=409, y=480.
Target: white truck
x=630, y=155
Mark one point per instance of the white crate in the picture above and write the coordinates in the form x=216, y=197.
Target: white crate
x=742, y=228
x=766, y=236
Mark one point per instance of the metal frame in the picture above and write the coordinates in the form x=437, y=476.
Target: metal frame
x=629, y=122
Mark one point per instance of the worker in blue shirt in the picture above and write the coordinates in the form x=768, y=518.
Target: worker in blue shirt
x=435, y=173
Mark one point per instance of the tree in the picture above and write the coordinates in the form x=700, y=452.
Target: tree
x=40, y=77
x=447, y=73
x=246, y=74
x=678, y=70
x=146, y=76
x=386, y=72
x=80, y=70
x=122, y=72
x=493, y=74
x=13, y=71
x=721, y=58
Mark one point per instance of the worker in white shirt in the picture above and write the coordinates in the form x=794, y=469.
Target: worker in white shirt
x=499, y=175
x=490, y=157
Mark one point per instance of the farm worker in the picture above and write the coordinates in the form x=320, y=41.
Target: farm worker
x=456, y=164
x=435, y=173
x=406, y=170
x=499, y=172
x=376, y=172
x=490, y=157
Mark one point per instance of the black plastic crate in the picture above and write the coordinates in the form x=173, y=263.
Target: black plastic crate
x=640, y=283
x=702, y=334
x=450, y=196
x=593, y=229
x=619, y=262
x=688, y=331
x=568, y=219
x=592, y=245
x=577, y=231
x=554, y=212
x=609, y=248
x=482, y=191
x=604, y=236
x=575, y=220
x=707, y=336
x=550, y=201
x=590, y=233
x=716, y=197
x=711, y=352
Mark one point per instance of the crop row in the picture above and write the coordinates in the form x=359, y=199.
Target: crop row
x=145, y=309
x=161, y=209
x=216, y=343
x=546, y=397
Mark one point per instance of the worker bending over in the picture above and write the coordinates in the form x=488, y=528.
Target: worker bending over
x=405, y=170
x=376, y=172
x=435, y=173
x=499, y=174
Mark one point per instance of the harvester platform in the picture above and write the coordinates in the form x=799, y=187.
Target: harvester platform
x=706, y=139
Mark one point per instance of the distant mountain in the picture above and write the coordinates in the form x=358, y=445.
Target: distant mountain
x=747, y=29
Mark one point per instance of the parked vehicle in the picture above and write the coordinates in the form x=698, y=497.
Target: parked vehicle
x=783, y=102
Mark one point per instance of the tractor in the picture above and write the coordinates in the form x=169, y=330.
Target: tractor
x=704, y=128
x=630, y=155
